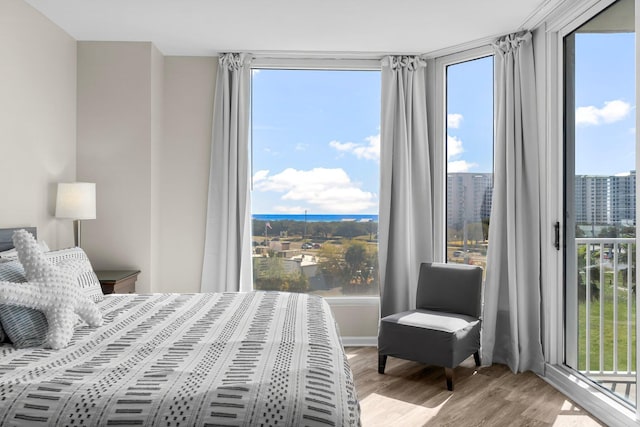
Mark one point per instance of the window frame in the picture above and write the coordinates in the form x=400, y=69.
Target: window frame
x=440, y=148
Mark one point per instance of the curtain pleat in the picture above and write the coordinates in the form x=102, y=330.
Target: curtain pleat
x=227, y=261
x=405, y=229
x=512, y=296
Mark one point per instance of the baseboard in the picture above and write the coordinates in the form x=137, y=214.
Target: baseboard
x=359, y=341
x=591, y=398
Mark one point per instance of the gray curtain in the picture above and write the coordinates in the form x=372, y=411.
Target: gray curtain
x=512, y=299
x=405, y=230
x=227, y=260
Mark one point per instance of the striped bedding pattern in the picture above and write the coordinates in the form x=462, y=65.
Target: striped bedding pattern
x=228, y=359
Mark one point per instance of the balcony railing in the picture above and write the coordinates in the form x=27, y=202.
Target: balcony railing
x=607, y=311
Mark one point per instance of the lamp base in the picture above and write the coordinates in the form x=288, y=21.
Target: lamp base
x=77, y=232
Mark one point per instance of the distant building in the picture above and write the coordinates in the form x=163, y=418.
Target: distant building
x=592, y=199
x=605, y=199
x=623, y=198
x=599, y=199
x=468, y=198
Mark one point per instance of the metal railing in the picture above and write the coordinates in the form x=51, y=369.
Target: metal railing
x=604, y=258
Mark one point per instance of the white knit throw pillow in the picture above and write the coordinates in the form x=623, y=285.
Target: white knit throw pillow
x=49, y=289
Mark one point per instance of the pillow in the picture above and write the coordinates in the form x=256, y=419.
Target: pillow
x=49, y=289
x=12, y=254
x=9, y=255
x=76, y=260
x=23, y=326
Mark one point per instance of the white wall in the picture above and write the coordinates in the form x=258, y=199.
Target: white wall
x=115, y=142
x=189, y=84
x=37, y=120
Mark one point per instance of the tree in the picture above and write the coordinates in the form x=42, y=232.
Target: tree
x=351, y=229
x=608, y=232
x=355, y=257
x=485, y=228
x=296, y=282
x=331, y=265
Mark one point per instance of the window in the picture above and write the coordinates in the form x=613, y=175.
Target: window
x=316, y=149
x=469, y=171
x=600, y=199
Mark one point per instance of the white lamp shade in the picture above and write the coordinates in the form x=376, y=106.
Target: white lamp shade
x=76, y=200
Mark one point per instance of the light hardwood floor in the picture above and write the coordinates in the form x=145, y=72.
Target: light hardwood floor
x=411, y=394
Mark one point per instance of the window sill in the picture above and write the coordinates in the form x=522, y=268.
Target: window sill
x=353, y=301
x=602, y=406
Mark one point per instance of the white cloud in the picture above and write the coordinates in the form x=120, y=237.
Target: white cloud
x=454, y=150
x=369, y=151
x=323, y=189
x=260, y=175
x=460, y=166
x=454, y=147
x=454, y=120
x=612, y=111
x=302, y=147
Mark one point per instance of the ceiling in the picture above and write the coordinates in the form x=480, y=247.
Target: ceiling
x=206, y=27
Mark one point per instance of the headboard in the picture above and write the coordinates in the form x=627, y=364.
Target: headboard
x=6, y=236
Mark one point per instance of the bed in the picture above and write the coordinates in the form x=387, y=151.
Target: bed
x=218, y=359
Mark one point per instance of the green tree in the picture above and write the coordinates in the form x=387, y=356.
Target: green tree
x=331, y=265
x=355, y=257
x=296, y=282
x=485, y=228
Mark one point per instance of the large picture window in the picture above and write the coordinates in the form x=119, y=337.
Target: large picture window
x=315, y=161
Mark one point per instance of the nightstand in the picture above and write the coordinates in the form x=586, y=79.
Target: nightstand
x=118, y=281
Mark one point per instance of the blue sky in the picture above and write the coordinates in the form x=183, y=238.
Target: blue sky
x=316, y=134
x=605, y=103
x=316, y=138
x=470, y=116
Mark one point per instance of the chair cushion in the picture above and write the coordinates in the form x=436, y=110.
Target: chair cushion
x=431, y=337
x=438, y=320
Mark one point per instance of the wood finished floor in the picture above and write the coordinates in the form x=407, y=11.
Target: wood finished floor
x=411, y=394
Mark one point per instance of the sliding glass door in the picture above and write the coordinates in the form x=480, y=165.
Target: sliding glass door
x=600, y=200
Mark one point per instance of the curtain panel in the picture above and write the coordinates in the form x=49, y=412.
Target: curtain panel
x=405, y=228
x=512, y=297
x=227, y=261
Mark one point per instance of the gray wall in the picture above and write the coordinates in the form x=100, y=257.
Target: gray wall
x=189, y=84
x=114, y=149
x=144, y=135
x=37, y=120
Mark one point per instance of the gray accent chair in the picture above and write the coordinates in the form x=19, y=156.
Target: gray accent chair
x=444, y=329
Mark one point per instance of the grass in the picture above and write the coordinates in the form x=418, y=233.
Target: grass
x=621, y=323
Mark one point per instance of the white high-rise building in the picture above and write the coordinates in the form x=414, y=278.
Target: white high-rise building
x=605, y=200
x=468, y=198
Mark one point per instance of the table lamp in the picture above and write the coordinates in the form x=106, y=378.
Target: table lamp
x=77, y=201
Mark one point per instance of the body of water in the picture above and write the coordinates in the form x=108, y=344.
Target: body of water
x=317, y=217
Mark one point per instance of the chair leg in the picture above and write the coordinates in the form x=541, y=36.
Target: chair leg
x=476, y=356
x=448, y=372
x=382, y=362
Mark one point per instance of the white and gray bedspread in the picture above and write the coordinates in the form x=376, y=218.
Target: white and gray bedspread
x=230, y=359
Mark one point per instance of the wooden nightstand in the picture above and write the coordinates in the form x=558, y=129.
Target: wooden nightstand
x=118, y=281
